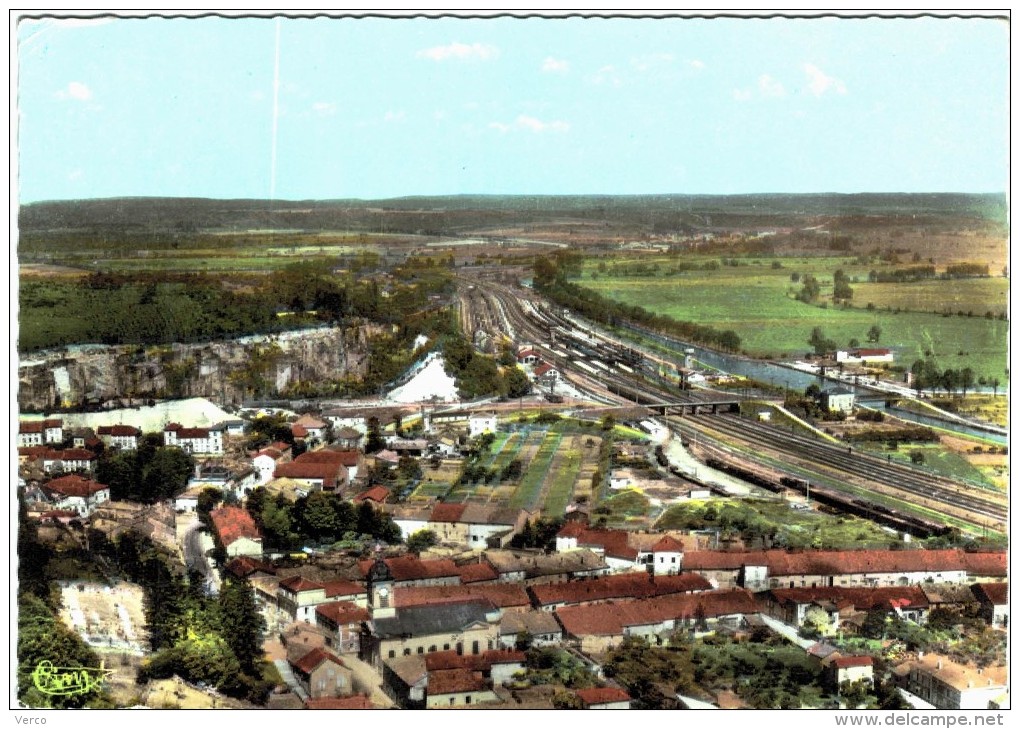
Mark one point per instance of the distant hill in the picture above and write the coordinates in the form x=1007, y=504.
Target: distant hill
x=448, y=214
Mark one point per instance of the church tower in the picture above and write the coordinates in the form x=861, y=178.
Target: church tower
x=380, y=590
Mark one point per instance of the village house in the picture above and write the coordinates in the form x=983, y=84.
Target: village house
x=949, y=685
x=232, y=428
x=68, y=460
x=466, y=680
x=409, y=571
x=124, y=437
x=347, y=439
x=247, y=568
x=349, y=459
x=776, y=568
x=627, y=550
x=527, y=356
x=606, y=697
x=475, y=573
x=860, y=355
x=236, y=531
x=476, y=526
x=839, y=604
x=376, y=495
x=503, y=597
x=546, y=372
x=536, y=627
x=405, y=679
x=358, y=418
x=298, y=597
x=313, y=428
x=482, y=423
x=265, y=462
x=289, y=488
x=598, y=628
x=614, y=587
x=993, y=598
x=316, y=476
x=77, y=494
x=197, y=441
x=322, y=674
x=852, y=669
x=538, y=568
x=343, y=622
x=40, y=432
x=496, y=666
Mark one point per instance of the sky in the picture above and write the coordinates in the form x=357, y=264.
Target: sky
x=327, y=108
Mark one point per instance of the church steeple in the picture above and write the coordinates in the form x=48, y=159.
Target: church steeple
x=380, y=588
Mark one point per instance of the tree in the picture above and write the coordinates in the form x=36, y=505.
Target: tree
x=966, y=380
x=241, y=623
x=874, y=333
x=374, y=443
x=207, y=501
x=167, y=474
x=422, y=540
x=516, y=383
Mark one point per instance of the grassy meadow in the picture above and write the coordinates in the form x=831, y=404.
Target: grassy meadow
x=756, y=299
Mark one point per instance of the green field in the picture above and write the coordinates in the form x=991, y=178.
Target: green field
x=757, y=302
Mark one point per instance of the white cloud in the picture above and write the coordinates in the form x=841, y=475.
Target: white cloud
x=75, y=174
x=460, y=52
x=819, y=83
x=696, y=64
x=555, y=65
x=531, y=124
x=394, y=116
x=743, y=94
x=324, y=108
x=76, y=91
x=650, y=61
x=769, y=87
x=607, y=75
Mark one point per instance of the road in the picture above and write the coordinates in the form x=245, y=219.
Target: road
x=195, y=545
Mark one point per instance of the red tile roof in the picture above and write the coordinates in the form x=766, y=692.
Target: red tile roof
x=627, y=585
x=313, y=659
x=245, y=565
x=232, y=523
x=280, y=446
x=781, y=563
x=347, y=702
x=74, y=485
x=870, y=352
x=610, y=618
x=543, y=368
x=409, y=567
x=347, y=458
x=297, y=583
x=69, y=454
x=454, y=681
x=183, y=432
x=572, y=529
x=500, y=594
x=603, y=695
x=271, y=452
x=33, y=452
x=344, y=587
x=668, y=544
x=118, y=430
x=862, y=598
x=343, y=613
x=480, y=572
x=614, y=542
x=447, y=660
x=30, y=426
x=996, y=593
x=450, y=513
x=378, y=494
x=853, y=661
x=325, y=472
x=298, y=431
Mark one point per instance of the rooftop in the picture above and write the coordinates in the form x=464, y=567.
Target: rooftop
x=233, y=523
x=626, y=585
x=432, y=619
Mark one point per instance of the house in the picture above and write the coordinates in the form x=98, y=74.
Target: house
x=358, y=418
x=68, y=459
x=852, y=669
x=497, y=666
x=667, y=556
x=993, y=598
x=289, y=488
x=632, y=585
x=836, y=604
x=77, y=494
x=546, y=371
x=322, y=674
x=247, y=568
x=838, y=400
x=457, y=687
x=236, y=531
x=538, y=568
x=859, y=355
x=409, y=571
x=597, y=628
x=408, y=447
x=342, y=622
x=606, y=697
x=232, y=428
x=405, y=679
x=265, y=462
x=536, y=627
x=187, y=502
x=621, y=478
x=349, y=459
x=298, y=597
x=376, y=495
x=477, y=573
x=199, y=441
x=481, y=423
x=124, y=437
x=40, y=432
x=409, y=519
x=347, y=438
x=476, y=525
x=527, y=356
x=312, y=427
x=950, y=685
x=317, y=476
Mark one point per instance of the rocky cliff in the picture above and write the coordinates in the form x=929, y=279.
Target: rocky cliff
x=228, y=371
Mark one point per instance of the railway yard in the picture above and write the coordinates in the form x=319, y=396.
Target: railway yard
x=776, y=459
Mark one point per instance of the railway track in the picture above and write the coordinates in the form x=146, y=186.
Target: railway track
x=833, y=460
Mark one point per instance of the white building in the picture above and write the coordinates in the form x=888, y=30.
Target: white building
x=74, y=493
x=481, y=423
x=200, y=441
